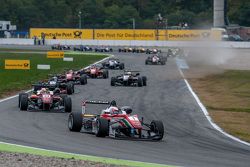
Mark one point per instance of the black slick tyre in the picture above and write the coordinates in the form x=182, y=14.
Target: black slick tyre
x=139, y=82
x=24, y=102
x=158, y=128
x=144, y=81
x=102, y=126
x=75, y=121
x=67, y=104
x=112, y=82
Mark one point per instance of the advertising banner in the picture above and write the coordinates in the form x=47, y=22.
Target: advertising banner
x=17, y=64
x=54, y=33
x=55, y=55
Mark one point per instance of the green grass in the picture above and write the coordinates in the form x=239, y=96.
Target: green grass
x=15, y=80
x=35, y=151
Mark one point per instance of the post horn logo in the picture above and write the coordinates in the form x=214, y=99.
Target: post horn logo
x=77, y=34
x=26, y=64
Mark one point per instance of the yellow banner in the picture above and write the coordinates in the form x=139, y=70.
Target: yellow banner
x=55, y=55
x=54, y=33
x=120, y=34
x=125, y=34
x=189, y=35
x=17, y=64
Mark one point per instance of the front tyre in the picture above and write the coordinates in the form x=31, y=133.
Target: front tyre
x=102, y=127
x=158, y=128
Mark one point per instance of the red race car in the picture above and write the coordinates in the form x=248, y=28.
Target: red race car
x=114, y=122
x=73, y=76
x=44, y=100
x=96, y=71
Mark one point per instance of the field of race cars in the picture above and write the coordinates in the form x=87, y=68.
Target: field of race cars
x=121, y=102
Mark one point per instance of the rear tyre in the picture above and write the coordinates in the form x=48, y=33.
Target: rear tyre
x=139, y=82
x=144, y=81
x=24, y=103
x=105, y=74
x=112, y=83
x=102, y=126
x=163, y=62
x=158, y=128
x=69, y=89
x=121, y=66
x=83, y=79
x=75, y=121
x=146, y=62
x=67, y=104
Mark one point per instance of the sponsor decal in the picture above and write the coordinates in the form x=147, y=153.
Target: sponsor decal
x=55, y=55
x=17, y=64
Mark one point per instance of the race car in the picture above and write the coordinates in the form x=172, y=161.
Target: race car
x=139, y=50
x=129, y=78
x=113, y=63
x=153, y=51
x=103, y=49
x=173, y=52
x=55, y=85
x=155, y=60
x=96, y=71
x=82, y=48
x=60, y=47
x=125, y=49
x=73, y=76
x=115, y=122
x=44, y=100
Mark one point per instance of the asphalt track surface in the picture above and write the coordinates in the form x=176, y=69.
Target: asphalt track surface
x=189, y=139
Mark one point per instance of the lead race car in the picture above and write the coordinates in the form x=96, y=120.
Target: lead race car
x=113, y=63
x=155, y=60
x=114, y=122
x=44, y=100
x=129, y=78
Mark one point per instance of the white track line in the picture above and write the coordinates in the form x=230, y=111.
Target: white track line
x=205, y=112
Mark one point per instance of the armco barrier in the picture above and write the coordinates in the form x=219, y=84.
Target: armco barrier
x=18, y=41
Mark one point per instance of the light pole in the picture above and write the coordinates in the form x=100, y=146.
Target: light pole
x=80, y=19
x=133, y=19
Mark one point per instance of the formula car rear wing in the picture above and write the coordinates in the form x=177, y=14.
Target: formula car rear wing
x=84, y=102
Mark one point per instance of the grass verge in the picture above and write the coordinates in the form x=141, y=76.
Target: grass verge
x=36, y=151
x=15, y=80
x=227, y=98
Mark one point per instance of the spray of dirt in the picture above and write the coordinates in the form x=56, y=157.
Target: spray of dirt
x=211, y=60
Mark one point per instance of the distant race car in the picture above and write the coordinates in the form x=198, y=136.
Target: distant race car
x=115, y=122
x=125, y=49
x=113, y=63
x=55, y=86
x=139, y=50
x=77, y=77
x=96, y=71
x=173, y=52
x=103, y=49
x=82, y=48
x=129, y=78
x=155, y=60
x=60, y=47
x=153, y=51
x=44, y=100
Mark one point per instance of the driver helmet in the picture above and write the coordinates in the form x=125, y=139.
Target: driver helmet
x=129, y=73
x=113, y=103
x=43, y=90
x=114, y=110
